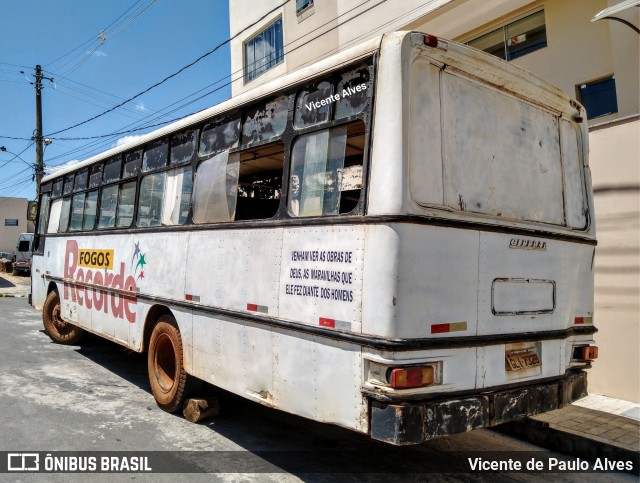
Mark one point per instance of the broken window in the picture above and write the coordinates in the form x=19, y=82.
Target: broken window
x=219, y=136
x=112, y=169
x=265, y=121
x=96, y=176
x=353, y=88
x=81, y=179
x=326, y=171
x=132, y=162
x=216, y=189
x=155, y=155
x=313, y=105
x=183, y=147
x=260, y=182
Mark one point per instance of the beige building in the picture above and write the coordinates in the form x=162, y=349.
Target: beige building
x=596, y=62
x=13, y=221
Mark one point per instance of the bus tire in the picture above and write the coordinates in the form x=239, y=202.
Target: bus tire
x=58, y=330
x=170, y=383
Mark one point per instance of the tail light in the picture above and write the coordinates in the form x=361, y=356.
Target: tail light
x=585, y=353
x=402, y=378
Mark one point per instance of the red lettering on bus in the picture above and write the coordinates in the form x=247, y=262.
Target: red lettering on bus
x=122, y=306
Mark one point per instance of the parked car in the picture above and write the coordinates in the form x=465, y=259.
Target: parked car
x=24, y=249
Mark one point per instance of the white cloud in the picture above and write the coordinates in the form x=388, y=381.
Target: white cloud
x=55, y=169
x=98, y=53
x=125, y=140
x=140, y=107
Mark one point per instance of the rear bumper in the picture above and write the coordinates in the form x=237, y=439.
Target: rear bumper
x=403, y=423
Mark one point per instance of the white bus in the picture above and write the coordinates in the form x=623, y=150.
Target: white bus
x=398, y=239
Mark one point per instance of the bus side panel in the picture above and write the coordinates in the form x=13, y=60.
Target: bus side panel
x=300, y=373
x=38, y=281
x=321, y=276
x=234, y=269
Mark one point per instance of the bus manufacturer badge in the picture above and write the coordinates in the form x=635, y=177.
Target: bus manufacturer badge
x=527, y=244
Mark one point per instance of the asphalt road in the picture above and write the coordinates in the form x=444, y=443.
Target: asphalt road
x=96, y=397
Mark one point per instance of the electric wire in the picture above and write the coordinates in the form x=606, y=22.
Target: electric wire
x=179, y=71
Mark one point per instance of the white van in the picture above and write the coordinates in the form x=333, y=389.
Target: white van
x=24, y=250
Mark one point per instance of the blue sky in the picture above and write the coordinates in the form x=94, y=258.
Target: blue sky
x=146, y=40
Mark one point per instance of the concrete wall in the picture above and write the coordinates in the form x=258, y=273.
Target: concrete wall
x=13, y=208
x=614, y=158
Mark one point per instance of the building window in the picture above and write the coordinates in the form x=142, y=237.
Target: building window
x=599, y=97
x=304, y=9
x=515, y=39
x=10, y=222
x=264, y=51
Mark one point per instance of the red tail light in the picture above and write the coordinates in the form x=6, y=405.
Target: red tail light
x=412, y=377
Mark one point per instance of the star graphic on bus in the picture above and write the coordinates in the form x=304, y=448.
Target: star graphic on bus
x=141, y=262
x=140, y=275
x=136, y=251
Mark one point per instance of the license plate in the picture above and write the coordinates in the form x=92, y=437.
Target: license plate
x=522, y=359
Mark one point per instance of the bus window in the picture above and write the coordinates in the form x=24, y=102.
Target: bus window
x=165, y=198
x=68, y=184
x=108, y=204
x=132, y=163
x=260, y=182
x=45, y=201
x=313, y=105
x=156, y=155
x=81, y=180
x=112, y=169
x=126, y=204
x=218, y=137
x=64, y=214
x=265, y=121
x=77, y=211
x=326, y=171
x=178, y=196
x=96, y=176
x=216, y=188
x=352, y=89
x=57, y=187
x=54, y=216
x=151, y=198
x=90, y=209
x=183, y=147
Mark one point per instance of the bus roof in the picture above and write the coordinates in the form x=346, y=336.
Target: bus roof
x=492, y=70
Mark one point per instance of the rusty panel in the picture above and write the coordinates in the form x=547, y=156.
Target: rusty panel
x=512, y=405
x=458, y=416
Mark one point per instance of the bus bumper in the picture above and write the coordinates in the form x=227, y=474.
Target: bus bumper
x=403, y=423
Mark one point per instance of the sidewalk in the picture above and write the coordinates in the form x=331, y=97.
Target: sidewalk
x=593, y=427
x=14, y=285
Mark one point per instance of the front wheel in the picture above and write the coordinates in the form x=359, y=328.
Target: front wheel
x=57, y=329
x=170, y=384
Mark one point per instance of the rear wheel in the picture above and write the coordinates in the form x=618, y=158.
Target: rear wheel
x=170, y=384
x=57, y=329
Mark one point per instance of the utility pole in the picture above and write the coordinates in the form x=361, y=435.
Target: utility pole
x=38, y=132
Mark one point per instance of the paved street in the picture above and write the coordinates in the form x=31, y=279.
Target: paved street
x=96, y=397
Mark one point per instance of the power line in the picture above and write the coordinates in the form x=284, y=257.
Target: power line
x=179, y=71
x=104, y=38
x=93, y=38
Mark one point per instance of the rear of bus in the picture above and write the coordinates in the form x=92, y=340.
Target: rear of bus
x=479, y=258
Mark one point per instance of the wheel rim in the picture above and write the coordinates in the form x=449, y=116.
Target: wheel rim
x=165, y=363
